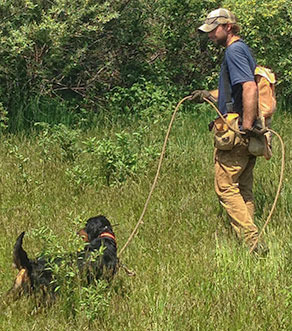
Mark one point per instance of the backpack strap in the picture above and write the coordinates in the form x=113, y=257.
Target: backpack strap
x=226, y=80
x=227, y=87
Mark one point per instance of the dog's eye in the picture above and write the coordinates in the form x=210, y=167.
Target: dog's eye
x=84, y=237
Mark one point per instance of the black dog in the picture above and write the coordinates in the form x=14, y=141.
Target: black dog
x=98, y=234
x=36, y=274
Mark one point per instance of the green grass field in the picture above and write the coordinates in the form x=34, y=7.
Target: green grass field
x=191, y=273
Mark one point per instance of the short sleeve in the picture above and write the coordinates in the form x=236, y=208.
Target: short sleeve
x=240, y=63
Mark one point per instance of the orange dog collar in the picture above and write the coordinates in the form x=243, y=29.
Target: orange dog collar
x=107, y=235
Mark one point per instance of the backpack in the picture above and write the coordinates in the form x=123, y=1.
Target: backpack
x=265, y=80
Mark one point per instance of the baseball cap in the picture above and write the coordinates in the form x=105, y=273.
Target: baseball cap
x=217, y=17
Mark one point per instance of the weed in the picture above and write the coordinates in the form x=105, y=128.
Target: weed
x=59, y=136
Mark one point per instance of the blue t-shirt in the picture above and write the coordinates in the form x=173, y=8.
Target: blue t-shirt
x=241, y=66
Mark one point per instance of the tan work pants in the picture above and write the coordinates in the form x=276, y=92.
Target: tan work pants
x=233, y=185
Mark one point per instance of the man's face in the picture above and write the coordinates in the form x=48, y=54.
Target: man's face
x=219, y=35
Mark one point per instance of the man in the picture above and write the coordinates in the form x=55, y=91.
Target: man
x=234, y=168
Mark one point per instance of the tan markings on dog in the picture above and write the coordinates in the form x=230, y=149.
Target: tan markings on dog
x=21, y=278
x=83, y=234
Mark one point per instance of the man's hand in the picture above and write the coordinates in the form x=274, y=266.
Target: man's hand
x=199, y=95
x=255, y=131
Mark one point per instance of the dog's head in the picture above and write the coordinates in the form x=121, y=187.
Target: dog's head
x=95, y=226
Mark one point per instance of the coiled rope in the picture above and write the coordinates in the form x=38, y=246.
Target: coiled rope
x=278, y=190
x=132, y=235
x=280, y=178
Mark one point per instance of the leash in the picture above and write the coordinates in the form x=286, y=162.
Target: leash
x=132, y=235
x=281, y=172
x=156, y=176
x=278, y=190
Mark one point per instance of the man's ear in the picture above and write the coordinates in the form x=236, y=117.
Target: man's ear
x=228, y=27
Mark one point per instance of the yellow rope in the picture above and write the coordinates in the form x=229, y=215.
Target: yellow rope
x=156, y=176
x=278, y=190
x=160, y=164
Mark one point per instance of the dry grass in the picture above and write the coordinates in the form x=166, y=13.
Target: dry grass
x=191, y=274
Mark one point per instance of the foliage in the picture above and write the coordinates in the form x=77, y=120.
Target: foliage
x=60, y=135
x=49, y=49
x=116, y=159
x=60, y=58
x=79, y=297
x=110, y=161
x=91, y=161
x=143, y=100
x=3, y=118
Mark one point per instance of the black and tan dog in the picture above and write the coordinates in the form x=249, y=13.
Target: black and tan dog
x=35, y=274
x=98, y=233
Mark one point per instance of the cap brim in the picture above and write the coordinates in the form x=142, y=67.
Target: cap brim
x=208, y=27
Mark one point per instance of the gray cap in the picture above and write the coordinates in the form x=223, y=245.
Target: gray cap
x=217, y=17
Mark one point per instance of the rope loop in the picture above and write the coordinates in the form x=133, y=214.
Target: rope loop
x=160, y=164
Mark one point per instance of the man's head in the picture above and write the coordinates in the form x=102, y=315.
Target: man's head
x=220, y=24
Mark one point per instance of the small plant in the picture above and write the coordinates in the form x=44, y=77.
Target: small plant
x=58, y=137
x=81, y=175
x=93, y=300
x=143, y=99
x=68, y=282
x=116, y=159
x=111, y=161
x=21, y=162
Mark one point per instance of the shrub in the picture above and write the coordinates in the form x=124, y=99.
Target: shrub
x=60, y=136
x=78, y=297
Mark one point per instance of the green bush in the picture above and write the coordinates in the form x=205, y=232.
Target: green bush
x=144, y=100
x=61, y=136
x=79, y=298
x=61, y=58
x=110, y=161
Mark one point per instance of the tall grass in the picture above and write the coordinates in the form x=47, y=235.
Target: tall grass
x=191, y=273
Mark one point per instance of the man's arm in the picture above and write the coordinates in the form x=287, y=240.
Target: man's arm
x=249, y=101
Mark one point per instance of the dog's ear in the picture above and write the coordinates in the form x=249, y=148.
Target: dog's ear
x=20, y=258
x=84, y=235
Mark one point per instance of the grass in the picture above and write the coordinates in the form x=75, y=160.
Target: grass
x=191, y=273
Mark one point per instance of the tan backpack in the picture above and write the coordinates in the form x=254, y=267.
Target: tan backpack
x=265, y=80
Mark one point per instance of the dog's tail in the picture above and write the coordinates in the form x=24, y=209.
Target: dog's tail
x=20, y=258
x=23, y=264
